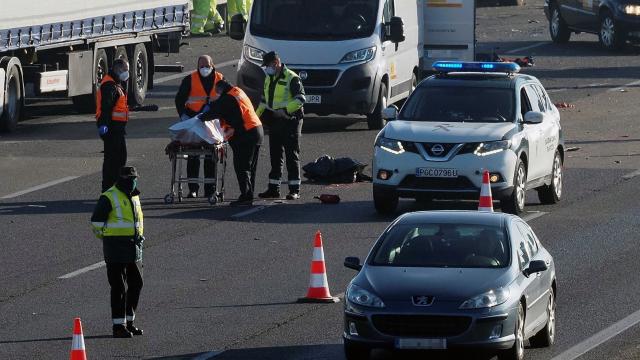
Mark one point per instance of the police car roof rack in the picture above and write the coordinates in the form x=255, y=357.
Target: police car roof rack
x=445, y=67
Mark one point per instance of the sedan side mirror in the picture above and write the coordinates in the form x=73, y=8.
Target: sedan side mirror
x=390, y=113
x=533, y=117
x=353, y=263
x=536, y=266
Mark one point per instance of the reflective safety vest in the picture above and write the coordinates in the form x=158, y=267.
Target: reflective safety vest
x=249, y=116
x=120, y=111
x=125, y=218
x=282, y=98
x=197, y=96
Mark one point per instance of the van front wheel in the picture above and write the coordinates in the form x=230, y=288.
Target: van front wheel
x=375, y=120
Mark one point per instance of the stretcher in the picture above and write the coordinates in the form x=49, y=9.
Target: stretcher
x=180, y=153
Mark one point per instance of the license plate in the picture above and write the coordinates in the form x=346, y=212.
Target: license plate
x=436, y=172
x=433, y=344
x=313, y=99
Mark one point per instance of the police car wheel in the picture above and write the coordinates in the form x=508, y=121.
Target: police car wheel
x=514, y=203
x=385, y=202
x=552, y=193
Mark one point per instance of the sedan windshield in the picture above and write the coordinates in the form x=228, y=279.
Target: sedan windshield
x=460, y=104
x=444, y=245
x=314, y=20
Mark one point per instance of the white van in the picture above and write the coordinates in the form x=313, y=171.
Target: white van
x=353, y=56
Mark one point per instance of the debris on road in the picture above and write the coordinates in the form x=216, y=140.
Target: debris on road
x=328, y=198
x=564, y=105
x=573, y=148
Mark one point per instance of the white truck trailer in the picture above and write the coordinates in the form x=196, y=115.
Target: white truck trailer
x=65, y=47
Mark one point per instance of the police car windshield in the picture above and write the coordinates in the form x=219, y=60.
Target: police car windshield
x=313, y=20
x=460, y=104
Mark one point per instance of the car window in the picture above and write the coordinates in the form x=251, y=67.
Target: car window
x=444, y=245
x=525, y=104
x=530, y=238
x=537, y=104
x=545, y=98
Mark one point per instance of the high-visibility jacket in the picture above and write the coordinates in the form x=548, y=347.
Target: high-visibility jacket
x=125, y=218
x=249, y=116
x=282, y=97
x=197, y=96
x=120, y=111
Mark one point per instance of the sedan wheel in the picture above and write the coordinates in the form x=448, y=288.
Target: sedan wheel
x=517, y=351
x=547, y=336
x=559, y=30
x=609, y=35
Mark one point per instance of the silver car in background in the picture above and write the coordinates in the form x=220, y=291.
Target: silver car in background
x=452, y=279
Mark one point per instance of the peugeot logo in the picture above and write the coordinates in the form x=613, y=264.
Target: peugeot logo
x=437, y=149
x=303, y=75
x=423, y=300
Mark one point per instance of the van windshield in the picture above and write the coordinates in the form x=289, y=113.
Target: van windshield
x=313, y=20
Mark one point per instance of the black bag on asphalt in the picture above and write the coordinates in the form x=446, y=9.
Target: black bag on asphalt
x=335, y=171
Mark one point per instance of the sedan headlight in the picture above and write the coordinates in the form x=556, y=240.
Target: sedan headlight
x=632, y=10
x=359, y=55
x=492, y=147
x=360, y=296
x=252, y=54
x=489, y=299
x=390, y=145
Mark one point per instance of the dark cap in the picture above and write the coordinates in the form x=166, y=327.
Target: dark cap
x=269, y=57
x=128, y=172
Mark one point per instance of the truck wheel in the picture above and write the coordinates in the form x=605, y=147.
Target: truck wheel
x=514, y=203
x=12, y=102
x=375, y=120
x=86, y=104
x=552, y=193
x=558, y=28
x=139, y=70
x=385, y=202
x=610, y=36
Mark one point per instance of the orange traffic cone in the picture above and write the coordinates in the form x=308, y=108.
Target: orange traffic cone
x=318, y=285
x=77, y=345
x=486, y=201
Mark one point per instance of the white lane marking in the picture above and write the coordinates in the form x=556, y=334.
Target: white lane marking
x=83, y=270
x=633, y=83
x=513, y=51
x=207, y=355
x=632, y=175
x=250, y=211
x=533, y=215
x=599, y=338
x=39, y=187
x=164, y=79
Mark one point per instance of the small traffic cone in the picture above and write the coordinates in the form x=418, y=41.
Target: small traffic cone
x=486, y=201
x=318, y=285
x=77, y=345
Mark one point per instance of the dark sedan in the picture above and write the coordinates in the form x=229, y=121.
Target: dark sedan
x=452, y=279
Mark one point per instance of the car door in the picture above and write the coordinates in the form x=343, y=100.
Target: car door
x=533, y=132
x=402, y=57
x=537, y=303
x=587, y=14
x=550, y=130
x=528, y=284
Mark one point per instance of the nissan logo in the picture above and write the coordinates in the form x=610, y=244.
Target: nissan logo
x=422, y=300
x=437, y=149
x=303, y=75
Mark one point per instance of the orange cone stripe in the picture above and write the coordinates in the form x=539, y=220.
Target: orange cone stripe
x=486, y=201
x=77, y=343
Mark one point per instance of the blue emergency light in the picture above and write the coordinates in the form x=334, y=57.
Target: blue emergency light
x=465, y=66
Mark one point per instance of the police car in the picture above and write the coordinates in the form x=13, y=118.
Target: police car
x=467, y=118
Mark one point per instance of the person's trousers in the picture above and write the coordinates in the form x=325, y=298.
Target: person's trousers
x=245, y=162
x=284, y=144
x=193, y=171
x=126, y=283
x=115, y=157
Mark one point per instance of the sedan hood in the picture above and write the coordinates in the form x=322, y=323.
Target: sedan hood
x=453, y=132
x=446, y=284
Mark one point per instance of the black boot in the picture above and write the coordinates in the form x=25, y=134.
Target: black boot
x=273, y=192
x=243, y=200
x=120, y=331
x=132, y=329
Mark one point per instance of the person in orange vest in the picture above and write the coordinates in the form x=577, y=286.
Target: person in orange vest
x=112, y=115
x=196, y=90
x=244, y=130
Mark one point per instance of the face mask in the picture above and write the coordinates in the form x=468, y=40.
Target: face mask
x=124, y=76
x=270, y=70
x=127, y=185
x=205, y=71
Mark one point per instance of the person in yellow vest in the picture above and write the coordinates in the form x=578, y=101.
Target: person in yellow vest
x=112, y=115
x=205, y=18
x=241, y=7
x=117, y=219
x=235, y=110
x=281, y=110
x=196, y=90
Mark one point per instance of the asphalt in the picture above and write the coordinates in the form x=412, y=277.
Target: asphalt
x=222, y=283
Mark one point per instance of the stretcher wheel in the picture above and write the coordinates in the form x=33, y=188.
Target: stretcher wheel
x=220, y=197
x=168, y=199
x=213, y=199
x=179, y=197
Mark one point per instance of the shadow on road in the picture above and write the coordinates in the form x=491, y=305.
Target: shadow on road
x=47, y=207
x=68, y=339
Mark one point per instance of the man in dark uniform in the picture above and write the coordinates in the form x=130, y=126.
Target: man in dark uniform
x=195, y=91
x=112, y=115
x=281, y=111
x=118, y=221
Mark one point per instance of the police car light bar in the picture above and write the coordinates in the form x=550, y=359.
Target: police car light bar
x=464, y=66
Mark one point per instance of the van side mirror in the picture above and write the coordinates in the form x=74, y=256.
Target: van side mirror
x=535, y=266
x=237, y=27
x=395, y=30
x=533, y=117
x=353, y=263
x=390, y=113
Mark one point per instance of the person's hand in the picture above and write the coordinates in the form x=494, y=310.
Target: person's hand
x=282, y=113
x=206, y=108
x=103, y=130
